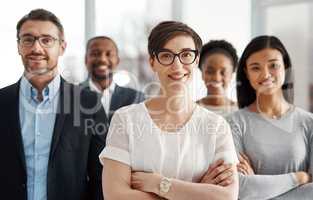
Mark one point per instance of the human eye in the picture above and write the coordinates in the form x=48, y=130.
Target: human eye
x=165, y=55
x=187, y=54
x=254, y=68
x=27, y=40
x=275, y=66
x=209, y=70
x=95, y=53
x=47, y=40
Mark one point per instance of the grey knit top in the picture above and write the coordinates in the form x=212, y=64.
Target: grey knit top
x=276, y=148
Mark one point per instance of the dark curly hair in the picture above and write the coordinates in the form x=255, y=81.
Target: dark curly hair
x=219, y=46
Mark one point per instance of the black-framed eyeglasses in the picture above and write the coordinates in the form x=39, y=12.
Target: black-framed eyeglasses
x=45, y=41
x=167, y=57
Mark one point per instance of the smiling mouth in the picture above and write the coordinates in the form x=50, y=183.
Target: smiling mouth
x=177, y=77
x=215, y=84
x=266, y=83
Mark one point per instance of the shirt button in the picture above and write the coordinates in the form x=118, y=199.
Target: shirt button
x=38, y=133
x=24, y=185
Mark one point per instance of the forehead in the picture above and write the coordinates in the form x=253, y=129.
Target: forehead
x=102, y=44
x=218, y=58
x=36, y=28
x=265, y=55
x=180, y=42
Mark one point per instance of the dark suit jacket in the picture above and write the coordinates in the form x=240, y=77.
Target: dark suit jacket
x=74, y=170
x=121, y=96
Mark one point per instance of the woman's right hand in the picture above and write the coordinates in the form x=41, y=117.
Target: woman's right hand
x=219, y=174
x=303, y=177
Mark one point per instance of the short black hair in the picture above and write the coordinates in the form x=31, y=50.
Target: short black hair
x=246, y=95
x=219, y=46
x=167, y=30
x=101, y=37
x=40, y=15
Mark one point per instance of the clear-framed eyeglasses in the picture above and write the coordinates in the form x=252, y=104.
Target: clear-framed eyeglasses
x=45, y=41
x=167, y=57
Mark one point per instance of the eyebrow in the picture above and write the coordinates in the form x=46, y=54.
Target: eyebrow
x=183, y=49
x=270, y=60
x=42, y=35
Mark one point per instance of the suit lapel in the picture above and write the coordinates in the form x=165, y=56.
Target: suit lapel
x=63, y=110
x=15, y=124
x=117, y=99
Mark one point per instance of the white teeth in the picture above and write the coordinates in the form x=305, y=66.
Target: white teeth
x=267, y=82
x=177, y=77
x=103, y=67
x=215, y=84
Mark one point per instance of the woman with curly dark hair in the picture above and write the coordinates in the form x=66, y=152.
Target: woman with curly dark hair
x=218, y=62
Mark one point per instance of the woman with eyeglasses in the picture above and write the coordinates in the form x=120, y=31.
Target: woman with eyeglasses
x=274, y=138
x=168, y=146
x=218, y=62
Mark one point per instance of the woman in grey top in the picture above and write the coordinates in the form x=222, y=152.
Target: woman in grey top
x=273, y=138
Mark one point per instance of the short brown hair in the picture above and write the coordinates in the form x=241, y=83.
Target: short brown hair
x=40, y=15
x=166, y=31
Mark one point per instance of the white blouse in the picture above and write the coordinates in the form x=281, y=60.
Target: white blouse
x=135, y=140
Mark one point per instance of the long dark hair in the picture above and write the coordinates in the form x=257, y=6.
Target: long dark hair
x=245, y=93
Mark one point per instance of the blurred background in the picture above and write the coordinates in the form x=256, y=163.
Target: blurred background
x=129, y=23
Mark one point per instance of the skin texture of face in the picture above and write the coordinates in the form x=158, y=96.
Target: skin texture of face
x=175, y=77
x=38, y=61
x=101, y=60
x=265, y=70
x=217, y=70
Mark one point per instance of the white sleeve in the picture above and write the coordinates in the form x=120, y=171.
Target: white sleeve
x=225, y=148
x=117, y=142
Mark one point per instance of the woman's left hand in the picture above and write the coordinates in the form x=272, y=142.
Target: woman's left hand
x=146, y=182
x=244, y=165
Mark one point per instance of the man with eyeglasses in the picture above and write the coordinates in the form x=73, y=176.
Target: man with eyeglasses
x=102, y=60
x=51, y=131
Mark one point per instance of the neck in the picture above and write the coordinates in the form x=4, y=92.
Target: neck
x=215, y=100
x=271, y=105
x=40, y=81
x=176, y=103
x=102, y=84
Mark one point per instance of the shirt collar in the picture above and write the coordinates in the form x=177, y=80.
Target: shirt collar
x=31, y=92
x=95, y=88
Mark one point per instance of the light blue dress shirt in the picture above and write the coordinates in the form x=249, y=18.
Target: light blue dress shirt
x=37, y=120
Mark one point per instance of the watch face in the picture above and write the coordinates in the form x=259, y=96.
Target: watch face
x=165, y=185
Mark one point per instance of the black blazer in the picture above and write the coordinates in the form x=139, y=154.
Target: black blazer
x=74, y=170
x=122, y=96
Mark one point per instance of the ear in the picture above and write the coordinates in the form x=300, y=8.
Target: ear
x=151, y=61
x=19, y=49
x=197, y=60
x=118, y=60
x=63, y=47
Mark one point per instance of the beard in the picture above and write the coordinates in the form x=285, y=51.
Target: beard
x=37, y=71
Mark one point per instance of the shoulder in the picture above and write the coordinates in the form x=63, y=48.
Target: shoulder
x=304, y=117
x=209, y=119
x=8, y=93
x=131, y=112
x=129, y=91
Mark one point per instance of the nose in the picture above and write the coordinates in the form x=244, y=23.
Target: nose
x=37, y=47
x=265, y=73
x=177, y=64
x=216, y=76
x=103, y=58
